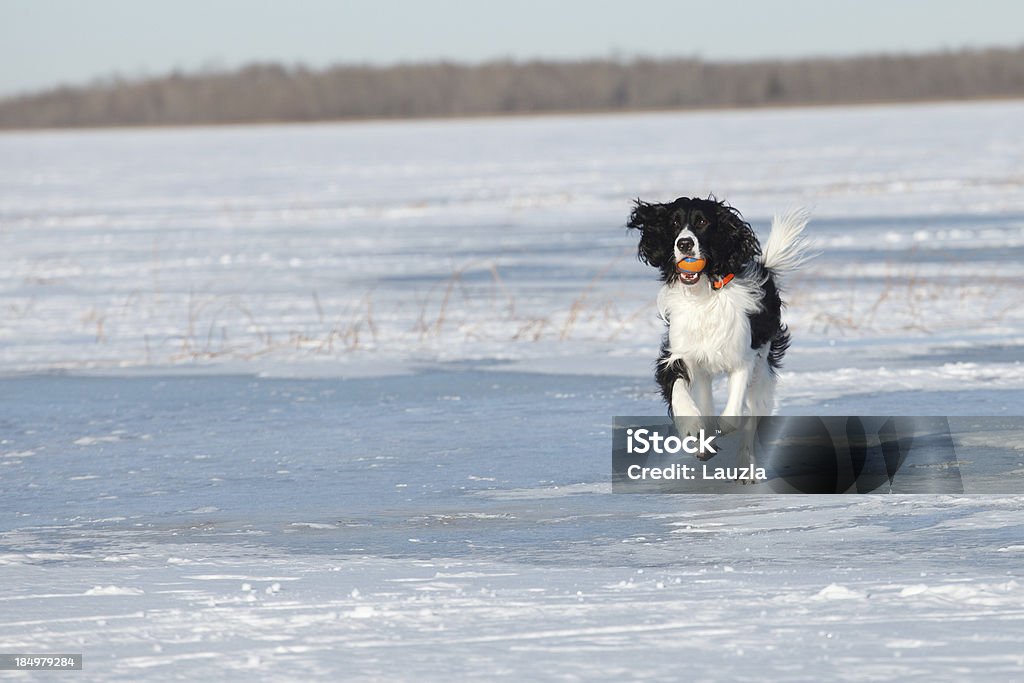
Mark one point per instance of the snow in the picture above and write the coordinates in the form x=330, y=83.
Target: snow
x=341, y=250
x=334, y=401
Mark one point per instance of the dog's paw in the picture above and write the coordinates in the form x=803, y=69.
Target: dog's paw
x=688, y=425
x=727, y=424
x=692, y=425
x=746, y=467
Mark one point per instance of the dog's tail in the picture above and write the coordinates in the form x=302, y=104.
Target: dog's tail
x=788, y=248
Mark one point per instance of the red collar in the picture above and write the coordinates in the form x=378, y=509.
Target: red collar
x=718, y=284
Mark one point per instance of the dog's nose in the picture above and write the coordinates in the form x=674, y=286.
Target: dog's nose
x=684, y=245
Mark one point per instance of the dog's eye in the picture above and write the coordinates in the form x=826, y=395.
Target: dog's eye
x=699, y=221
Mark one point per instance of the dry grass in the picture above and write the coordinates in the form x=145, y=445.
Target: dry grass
x=225, y=326
x=456, y=309
x=908, y=302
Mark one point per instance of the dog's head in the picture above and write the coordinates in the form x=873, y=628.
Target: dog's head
x=694, y=229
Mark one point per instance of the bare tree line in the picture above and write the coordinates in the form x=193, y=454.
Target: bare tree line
x=271, y=92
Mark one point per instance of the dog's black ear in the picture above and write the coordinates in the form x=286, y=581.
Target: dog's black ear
x=652, y=222
x=740, y=243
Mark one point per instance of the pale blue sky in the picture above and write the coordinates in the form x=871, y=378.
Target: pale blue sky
x=48, y=42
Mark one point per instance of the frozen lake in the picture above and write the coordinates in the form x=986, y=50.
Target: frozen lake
x=335, y=400
x=356, y=249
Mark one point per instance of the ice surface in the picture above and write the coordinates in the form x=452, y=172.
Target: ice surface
x=334, y=401
x=375, y=528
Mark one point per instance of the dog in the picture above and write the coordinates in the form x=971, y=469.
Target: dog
x=721, y=301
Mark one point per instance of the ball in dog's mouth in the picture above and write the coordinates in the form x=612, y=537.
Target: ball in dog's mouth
x=688, y=270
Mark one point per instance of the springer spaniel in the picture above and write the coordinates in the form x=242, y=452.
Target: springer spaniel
x=722, y=304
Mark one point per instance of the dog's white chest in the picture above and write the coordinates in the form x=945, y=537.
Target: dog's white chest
x=708, y=328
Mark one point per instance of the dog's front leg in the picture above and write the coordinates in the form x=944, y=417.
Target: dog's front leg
x=746, y=459
x=738, y=380
x=685, y=412
x=700, y=390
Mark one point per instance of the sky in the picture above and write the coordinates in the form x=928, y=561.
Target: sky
x=45, y=43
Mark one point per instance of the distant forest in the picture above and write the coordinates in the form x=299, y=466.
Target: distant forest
x=271, y=92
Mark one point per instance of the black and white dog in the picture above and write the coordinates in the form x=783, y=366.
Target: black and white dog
x=721, y=302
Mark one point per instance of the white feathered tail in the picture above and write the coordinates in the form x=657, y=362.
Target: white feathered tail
x=788, y=248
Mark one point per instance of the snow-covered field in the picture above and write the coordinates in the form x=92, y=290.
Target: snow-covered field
x=335, y=401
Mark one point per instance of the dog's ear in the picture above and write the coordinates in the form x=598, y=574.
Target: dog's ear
x=652, y=222
x=740, y=242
